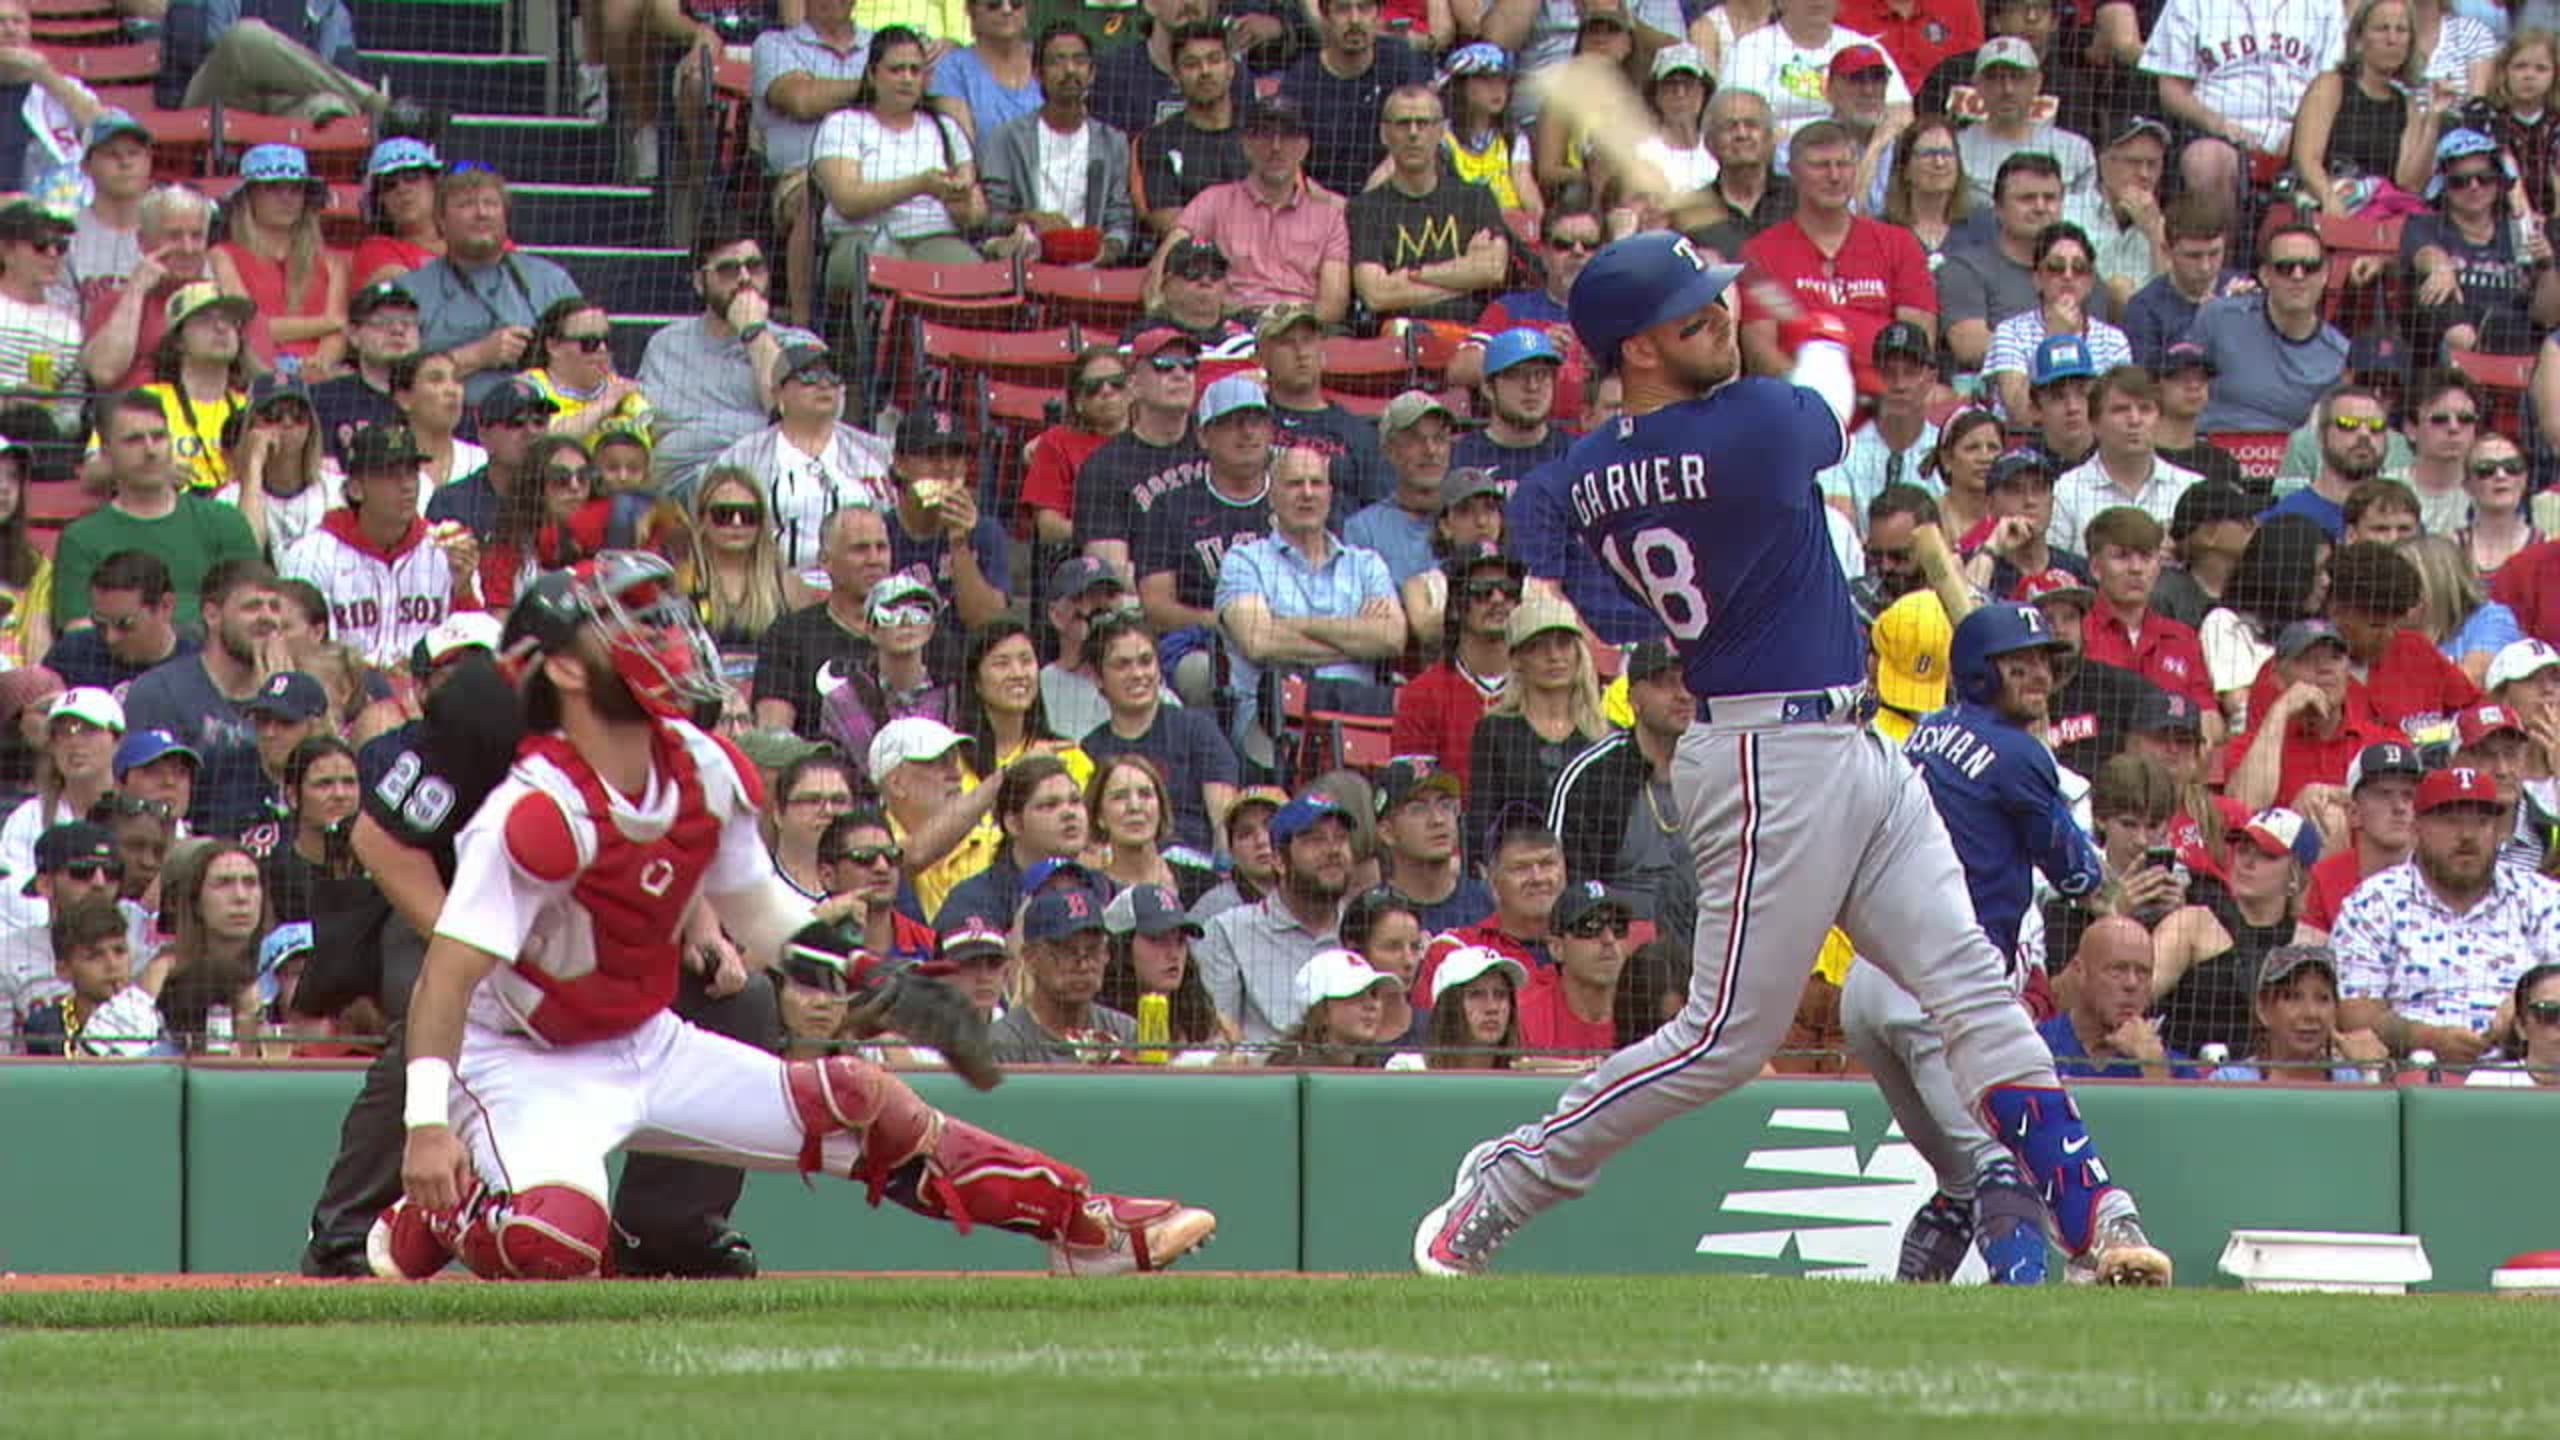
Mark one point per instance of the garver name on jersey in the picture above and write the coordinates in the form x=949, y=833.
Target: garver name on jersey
x=1653, y=480
x=2238, y=48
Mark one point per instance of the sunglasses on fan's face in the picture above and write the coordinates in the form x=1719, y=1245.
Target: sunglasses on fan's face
x=2453, y=417
x=2299, y=268
x=2471, y=179
x=2068, y=265
x=1167, y=364
x=1489, y=589
x=2503, y=465
x=734, y=267
x=592, y=344
x=1599, y=925
x=733, y=514
x=2544, y=1012
x=871, y=855
x=2368, y=424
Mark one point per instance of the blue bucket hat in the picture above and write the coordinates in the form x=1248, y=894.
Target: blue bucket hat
x=399, y=153
x=282, y=165
x=2461, y=145
x=282, y=943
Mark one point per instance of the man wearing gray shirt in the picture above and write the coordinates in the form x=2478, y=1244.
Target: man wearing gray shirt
x=480, y=301
x=1251, y=955
x=1064, y=949
x=710, y=377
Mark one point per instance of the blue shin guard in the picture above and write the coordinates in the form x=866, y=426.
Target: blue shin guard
x=2041, y=1126
x=2009, y=1225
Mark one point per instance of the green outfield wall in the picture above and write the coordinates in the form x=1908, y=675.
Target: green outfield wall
x=152, y=1166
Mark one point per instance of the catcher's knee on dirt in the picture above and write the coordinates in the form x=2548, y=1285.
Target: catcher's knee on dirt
x=546, y=1232
x=925, y=1160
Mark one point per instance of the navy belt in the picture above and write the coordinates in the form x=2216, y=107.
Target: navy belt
x=1811, y=707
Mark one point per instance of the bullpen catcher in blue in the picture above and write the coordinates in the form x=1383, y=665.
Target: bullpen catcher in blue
x=1701, y=501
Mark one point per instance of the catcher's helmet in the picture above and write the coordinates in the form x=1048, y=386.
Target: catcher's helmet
x=1989, y=633
x=657, y=645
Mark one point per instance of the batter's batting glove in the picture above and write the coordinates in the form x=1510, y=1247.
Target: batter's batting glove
x=899, y=996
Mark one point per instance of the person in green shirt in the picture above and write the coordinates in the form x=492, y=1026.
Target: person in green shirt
x=190, y=533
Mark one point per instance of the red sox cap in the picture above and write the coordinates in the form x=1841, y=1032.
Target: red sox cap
x=1637, y=283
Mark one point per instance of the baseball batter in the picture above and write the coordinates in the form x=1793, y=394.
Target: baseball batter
x=539, y=1037
x=1701, y=500
x=1996, y=789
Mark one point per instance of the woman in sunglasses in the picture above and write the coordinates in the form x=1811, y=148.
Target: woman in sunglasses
x=735, y=572
x=1097, y=409
x=2531, y=1043
x=2066, y=273
x=900, y=682
x=2499, y=481
x=573, y=351
x=555, y=520
x=399, y=211
x=273, y=255
x=275, y=461
x=2482, y=283
x=1470, y=523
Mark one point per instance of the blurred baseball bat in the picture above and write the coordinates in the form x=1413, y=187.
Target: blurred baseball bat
x=1593, y=93
x=1937, y=561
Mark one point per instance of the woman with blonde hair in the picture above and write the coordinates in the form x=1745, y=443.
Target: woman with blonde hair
x=2454, y=608
x=274, y=256
x=1548, y=714
x=2368, y=125
x=2496, y=476
x=735, y=573
x=2525, y=125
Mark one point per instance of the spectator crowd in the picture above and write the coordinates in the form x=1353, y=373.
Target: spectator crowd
x=1240, y=715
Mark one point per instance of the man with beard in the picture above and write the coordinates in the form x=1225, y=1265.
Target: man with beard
x=2352, y=424
x=1064, y=949
x=1994, y=785
x=481, y=299
x=1569, y=234
x=1199, y=145
x=1342, y=83
x=714, y=378
x=198, y=697
x=1521, y=366
x=1419, y=806
x=1614, y=808
x=1892, y=571
x=1025, y=154
x=559, y=946
x=2427, y=950
x=1251, y=956
x=1436, y=713
x=1134, y=86
x=2089, y=715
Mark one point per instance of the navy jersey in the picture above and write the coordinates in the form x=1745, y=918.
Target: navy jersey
x=1705, y=511
x=1995, y=787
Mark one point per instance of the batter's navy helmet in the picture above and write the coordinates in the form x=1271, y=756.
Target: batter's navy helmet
x=1637, y=283
x=1990, y=632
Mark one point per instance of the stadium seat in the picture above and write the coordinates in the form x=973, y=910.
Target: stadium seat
x=1027, y=357
x=1107, y=300
x=1369, y=406
x=55, y=503
x=95, y=65
x=2506, y=378
x=1383, y=366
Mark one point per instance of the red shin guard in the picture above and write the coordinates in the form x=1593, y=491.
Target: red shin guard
x=550, y=1232
x=932, y=1164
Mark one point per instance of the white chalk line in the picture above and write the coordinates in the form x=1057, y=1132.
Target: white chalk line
x=1938, y=1391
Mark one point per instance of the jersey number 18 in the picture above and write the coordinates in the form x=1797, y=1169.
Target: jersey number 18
x=1665, y=572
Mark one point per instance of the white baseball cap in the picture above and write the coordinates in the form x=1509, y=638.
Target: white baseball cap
x=1338, y=975
x=461, y=630
x=88, y=702
x=1462, y=966
x=910, y=737
x=2516, y=660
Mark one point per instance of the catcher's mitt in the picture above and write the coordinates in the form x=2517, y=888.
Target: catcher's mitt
x=889, y=995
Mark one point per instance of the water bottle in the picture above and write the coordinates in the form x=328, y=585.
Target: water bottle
x=217, y=1030
x=1155, y=1030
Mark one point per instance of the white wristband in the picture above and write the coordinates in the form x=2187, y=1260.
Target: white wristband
x=430, y=1093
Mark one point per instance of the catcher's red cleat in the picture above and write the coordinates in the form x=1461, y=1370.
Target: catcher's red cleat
x=1136, y=1235
x=407, y=1244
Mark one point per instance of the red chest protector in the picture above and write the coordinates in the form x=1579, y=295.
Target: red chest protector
x=629, y=897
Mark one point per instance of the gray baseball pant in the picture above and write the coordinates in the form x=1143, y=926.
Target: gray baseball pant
x=1891, y=1036
x=1794, y=827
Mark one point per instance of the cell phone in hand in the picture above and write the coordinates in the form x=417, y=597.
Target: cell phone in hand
x=2159, y=857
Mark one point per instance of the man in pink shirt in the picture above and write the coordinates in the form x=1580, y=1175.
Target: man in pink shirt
x=1284, y=236
x=1868, y=273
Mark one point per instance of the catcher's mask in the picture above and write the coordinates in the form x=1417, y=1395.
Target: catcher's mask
x=657, y=645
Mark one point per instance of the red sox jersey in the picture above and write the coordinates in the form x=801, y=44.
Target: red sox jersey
x=2250, y=60
x=581, y=891
x=382, y=602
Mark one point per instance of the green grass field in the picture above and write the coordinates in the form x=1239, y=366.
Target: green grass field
x=1570, y=1359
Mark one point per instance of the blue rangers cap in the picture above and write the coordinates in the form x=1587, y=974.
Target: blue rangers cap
x=1637, y=283
x=1518, y=346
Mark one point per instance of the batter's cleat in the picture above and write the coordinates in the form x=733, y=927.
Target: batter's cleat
x=407, y=1244
x=1138, y=1236
x=1935, y=1242
x=1462, y=1234
x=2009, y=1225
x=2123, y=1257
x=727, y=1256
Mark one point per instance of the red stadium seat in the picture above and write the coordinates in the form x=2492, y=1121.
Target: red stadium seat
x=54, y=503
x=1107, y=300
x=1369, y=406
x=94, y=65
x=2506, y=378
x=1383, y=366
x=981, y=295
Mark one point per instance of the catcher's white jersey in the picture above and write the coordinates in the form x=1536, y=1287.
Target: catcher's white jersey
x=2251, y=60
x=382, y=602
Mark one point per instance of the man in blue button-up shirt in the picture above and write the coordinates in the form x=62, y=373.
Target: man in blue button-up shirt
x=1299, y=596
